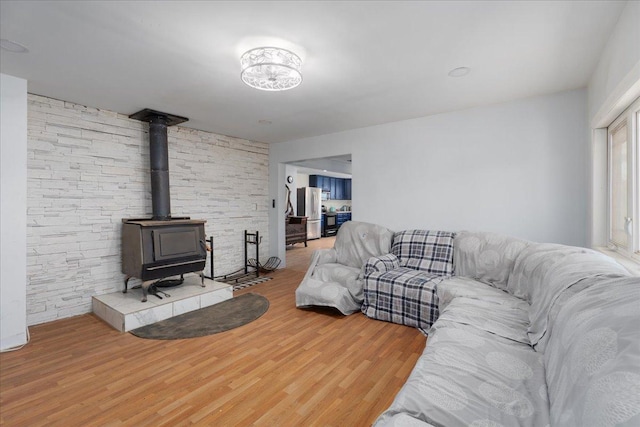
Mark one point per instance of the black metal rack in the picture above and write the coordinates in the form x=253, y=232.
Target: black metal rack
x=243, y=273
x=251, y=239
x=251, y=265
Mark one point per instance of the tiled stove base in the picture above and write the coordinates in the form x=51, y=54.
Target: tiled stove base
x=125, y=311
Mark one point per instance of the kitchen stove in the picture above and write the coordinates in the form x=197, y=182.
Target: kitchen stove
x=330, y=224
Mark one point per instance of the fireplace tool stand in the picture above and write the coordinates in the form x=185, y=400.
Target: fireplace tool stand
x=244, y=272
x=251, y=265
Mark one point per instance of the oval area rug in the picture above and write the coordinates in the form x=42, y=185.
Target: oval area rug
x=210, y=320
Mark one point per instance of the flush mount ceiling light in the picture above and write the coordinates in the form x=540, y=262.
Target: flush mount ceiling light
x=271, y=68
x=459, y=72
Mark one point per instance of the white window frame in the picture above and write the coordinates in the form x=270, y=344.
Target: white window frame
x=631, y=116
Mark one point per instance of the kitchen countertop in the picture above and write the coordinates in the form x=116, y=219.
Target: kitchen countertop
x=336, y=212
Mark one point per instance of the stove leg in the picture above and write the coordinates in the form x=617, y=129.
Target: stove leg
x=201, y=279
x=126, y=284
x=145, y=289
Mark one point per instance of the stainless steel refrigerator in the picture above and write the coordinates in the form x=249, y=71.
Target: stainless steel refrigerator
x=309, y=206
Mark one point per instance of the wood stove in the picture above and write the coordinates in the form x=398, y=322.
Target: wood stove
x=160, y=247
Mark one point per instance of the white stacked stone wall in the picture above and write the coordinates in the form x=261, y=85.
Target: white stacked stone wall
x=88, y=169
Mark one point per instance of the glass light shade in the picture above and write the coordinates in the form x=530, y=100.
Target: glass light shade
x=271, y=68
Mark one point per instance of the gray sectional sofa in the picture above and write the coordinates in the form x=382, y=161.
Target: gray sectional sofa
x=519, y=333
x=527, y=334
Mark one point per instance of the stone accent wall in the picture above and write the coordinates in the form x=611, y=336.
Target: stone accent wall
x=89, y=168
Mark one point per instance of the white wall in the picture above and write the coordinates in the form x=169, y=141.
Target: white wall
x=518, y=168
x=89, y=168
x=613, y=86
x=13, y=211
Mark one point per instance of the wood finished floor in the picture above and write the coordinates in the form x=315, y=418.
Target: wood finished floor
x=290, y=367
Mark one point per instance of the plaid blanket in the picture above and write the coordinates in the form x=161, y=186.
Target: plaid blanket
x=425, y=250
x=381, y=264
x=403, y=296
x=401, y=287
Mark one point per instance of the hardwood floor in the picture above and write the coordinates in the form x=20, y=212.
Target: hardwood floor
x=290, y=367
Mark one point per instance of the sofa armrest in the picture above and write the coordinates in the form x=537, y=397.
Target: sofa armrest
x=325, y=256
x=381, y=264
x=319, y=257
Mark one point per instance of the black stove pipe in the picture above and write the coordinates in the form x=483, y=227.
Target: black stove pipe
x=159, y=158
x=159, y=162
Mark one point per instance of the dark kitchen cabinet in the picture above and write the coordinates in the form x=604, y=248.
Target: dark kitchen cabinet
x=326, y=184
x=343, y=217
x=320, y=181
x=347, y=189
x=338, y=188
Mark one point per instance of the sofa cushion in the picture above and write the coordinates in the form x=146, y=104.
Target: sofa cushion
x=488, y=310
x=425, y=250
x=543, y=271
x=468, y=377
x=593, y=356
x=466, y=287
x=487, y=257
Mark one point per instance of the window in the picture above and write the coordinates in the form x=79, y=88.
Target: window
x=624, y=182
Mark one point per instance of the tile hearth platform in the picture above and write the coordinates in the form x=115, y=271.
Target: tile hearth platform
x=125, y=312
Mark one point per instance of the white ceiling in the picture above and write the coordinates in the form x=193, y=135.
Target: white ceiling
x=364, y=63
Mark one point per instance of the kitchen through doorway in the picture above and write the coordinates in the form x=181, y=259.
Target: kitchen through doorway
x=328, y=180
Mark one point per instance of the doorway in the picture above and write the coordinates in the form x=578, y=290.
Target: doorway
x=333, y=176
